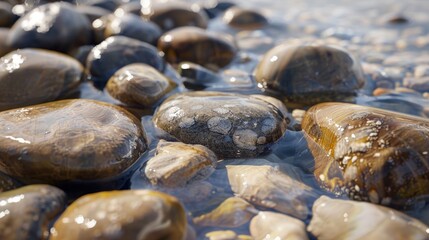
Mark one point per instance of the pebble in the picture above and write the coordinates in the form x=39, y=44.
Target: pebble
x=177, y=164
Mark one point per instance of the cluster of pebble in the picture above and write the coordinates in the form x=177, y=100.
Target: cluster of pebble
x=140, y=120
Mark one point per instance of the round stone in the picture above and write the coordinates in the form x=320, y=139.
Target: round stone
x=32, y=76
x=55, y=26
x=27, y=212
x=69, y=141
x=302, y=75
x=130, y=214
x=231, y=125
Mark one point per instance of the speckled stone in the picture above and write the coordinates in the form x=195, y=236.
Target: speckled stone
x=27, y=212
x=69, y=140
x=130, y=214
x=231, y=125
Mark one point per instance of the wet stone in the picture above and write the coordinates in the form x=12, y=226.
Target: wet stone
x=91, y=12
x=43, y=27
x=177, y=164
x=208, y=49
x=7, y=17
x=263, y=184
x=133, y=26
x=174, y=14
x=7, y=183
x=272, y=225
x=139, y=84
x=345, y=219
x=4, y=46
x=231, y=125
x=27, y=212
x=197, y=77
x=417, y=84
x=244, y=19
x=32, y=76
x=304, y=75
x=231, y=213
x=130, y=214
x=225, y=235
x=369, y=154
x=109, y=5
x=117, y=52
x=69, y=141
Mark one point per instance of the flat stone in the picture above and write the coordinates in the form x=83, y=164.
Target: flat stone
x=177, y=164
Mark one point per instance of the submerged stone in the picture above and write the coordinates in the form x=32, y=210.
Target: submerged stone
x=129, y=214
x=344, y=219
x=68, y=141
x=272, y=225
x=176, y=164
x=231, y=125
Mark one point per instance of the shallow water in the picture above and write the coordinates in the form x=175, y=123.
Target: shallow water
x=358, y=26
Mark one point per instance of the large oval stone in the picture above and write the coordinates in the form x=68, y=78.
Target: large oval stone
x=116, y=52
x=54, y=26
x=132, y=214
x=231, y=125
x=369, y=154
x=196, y=45
x=27, y=212
x=32, y=76
x=305, y=75
x=69, y=140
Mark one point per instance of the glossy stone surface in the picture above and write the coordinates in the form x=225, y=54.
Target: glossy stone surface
x=116, y=52
x=302, y=75
x=209, y=49
x=197, y=77
x=231, y=213
x=173, y=14
x=231, y=125
x=7, y=183
x=343, y=219
x=369, y=154
x=139, y=84
x=54, y=26
x=7, y=17
x=69, y=140
x=244, y=19
x=27, y=212
x=133, y=26
x=32, y=76
x=176, y=164
x=272, y=225
x=130, y=214
x=264, y=184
